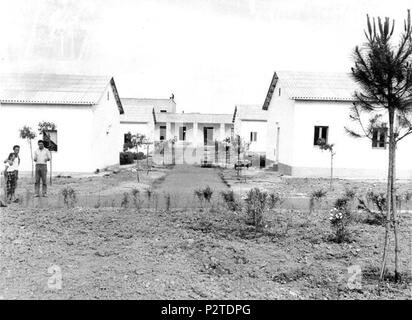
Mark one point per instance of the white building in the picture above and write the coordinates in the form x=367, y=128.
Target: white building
x=194, y=134
x=85, y=109
x=305, y=106
x=250, y=122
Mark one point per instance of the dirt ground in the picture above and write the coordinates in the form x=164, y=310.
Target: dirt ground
x=142, y=251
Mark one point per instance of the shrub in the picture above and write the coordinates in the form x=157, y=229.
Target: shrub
x=350, y=194
x=149, y=194
x=125, y=200
x=274, y=199
x=340, y=218
x=230, y=200
x=207, y=194
x=255, y=206
x=139, y=155
x=168, y=201
x=199, y=194
x=69, y=197
x=137, y=202
x=374, y=206
x=126, y=158
x=316, y=197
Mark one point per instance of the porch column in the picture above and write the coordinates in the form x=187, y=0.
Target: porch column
x=195, y=134
x=168, y=131
x=222, y=132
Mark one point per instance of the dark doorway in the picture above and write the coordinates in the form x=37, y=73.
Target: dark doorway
x=262, y=161
x=208, y=136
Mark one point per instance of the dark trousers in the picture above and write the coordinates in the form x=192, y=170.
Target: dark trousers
x=41, y=174
x=11, y=184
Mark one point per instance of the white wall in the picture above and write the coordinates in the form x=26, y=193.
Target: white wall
x=106, y=135
x=245, y=127
x=174, y=131
x=281, y=112
x=354, y=157
x=74, y=131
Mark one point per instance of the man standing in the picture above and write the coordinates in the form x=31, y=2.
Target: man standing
x=41, y=156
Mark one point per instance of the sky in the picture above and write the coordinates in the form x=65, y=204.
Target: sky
x=211, y=54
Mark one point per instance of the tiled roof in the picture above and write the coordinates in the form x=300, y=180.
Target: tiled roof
x=194, y=117
x=157, y=104
x=313, y=86
x=136, y=112
x=249, y=112
x=33, y=88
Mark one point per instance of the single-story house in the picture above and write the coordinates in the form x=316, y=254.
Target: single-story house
x=250, y=122
x=85, y=109
x=306, y=106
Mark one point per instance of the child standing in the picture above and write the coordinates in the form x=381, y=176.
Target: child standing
x=10, y=175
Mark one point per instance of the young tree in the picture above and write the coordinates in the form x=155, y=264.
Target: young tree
x=136, y=142
x=27, y=133
x=328, y=147
x=240, y=145
x=384, y=73
x=44, y=128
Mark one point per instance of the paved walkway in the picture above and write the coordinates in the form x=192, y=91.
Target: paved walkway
x=183, y=180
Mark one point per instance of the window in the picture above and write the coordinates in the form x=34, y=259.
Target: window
x=50, y=139
x=163, y=110
x=379, y=138
x=321, y=134
x=182, y=133
x=162, y=132
x=253, y=136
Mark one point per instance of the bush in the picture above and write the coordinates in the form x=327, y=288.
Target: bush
x=374, y=201
x=256, y=202
x=274, y=199
x=126, y=158
x=316, y=197
x=204, y=194
x=340, y=217
x=230, y=200
x=69, y=197
x=137, y=202
x=207, y=193
x=125, y=200
x=139, y=155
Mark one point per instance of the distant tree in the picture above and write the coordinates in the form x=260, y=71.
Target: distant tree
x=27, y=133
x=323, y=145
x=384, y=73
x=136, y=142
x=240, y=145
x=44, y=127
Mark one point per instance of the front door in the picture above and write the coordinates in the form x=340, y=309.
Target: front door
x=208, y=136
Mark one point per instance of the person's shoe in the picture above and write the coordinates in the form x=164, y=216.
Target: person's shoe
x=44, y=195
x=16, y=200
x=36, y=196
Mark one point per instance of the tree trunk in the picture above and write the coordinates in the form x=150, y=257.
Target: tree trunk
x=394, y=216
x=32, y=162
x=147, y=158
x=51, y=166
x=389, y=192
x=331, y=170
x=137, y=164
